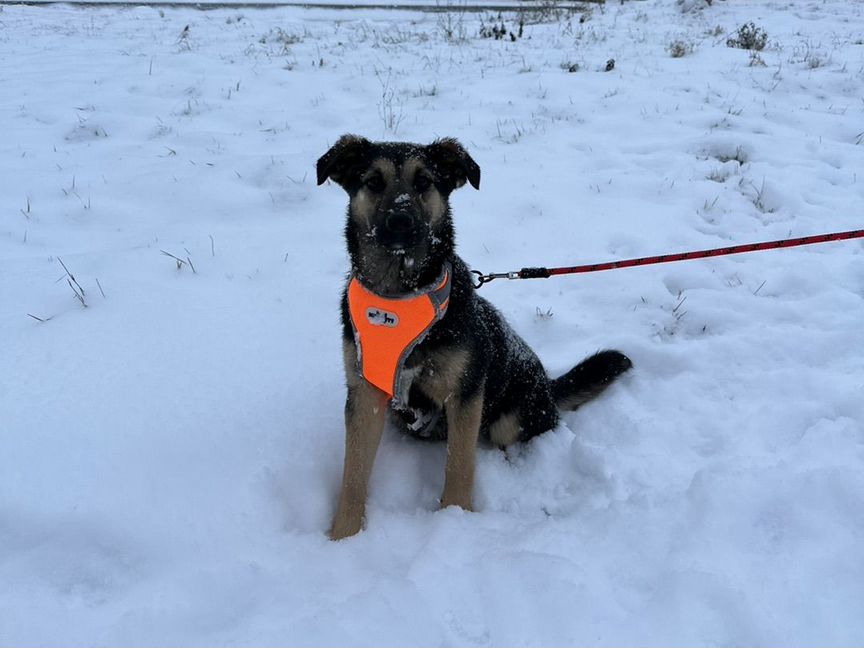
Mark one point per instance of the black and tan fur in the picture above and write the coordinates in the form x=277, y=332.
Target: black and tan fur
x=473, y=377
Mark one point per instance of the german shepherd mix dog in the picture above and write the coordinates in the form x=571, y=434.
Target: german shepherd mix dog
x=461, y=373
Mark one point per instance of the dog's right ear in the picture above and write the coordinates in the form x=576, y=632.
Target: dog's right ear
x=345, y=161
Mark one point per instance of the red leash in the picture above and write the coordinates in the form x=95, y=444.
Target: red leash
x=543, y=273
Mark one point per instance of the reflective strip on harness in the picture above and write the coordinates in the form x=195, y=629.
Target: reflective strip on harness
x=386, y=329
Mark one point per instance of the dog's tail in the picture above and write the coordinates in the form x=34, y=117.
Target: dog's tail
x=588, y=379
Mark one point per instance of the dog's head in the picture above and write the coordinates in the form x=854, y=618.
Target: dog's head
x=399, y=229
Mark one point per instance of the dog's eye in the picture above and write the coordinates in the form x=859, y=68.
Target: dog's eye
x=422, y=183
x=375, y=184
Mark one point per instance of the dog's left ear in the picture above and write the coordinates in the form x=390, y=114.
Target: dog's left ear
x=452, y=163
x=344, y=162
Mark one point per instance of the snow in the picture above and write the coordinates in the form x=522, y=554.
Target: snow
x=171, y=453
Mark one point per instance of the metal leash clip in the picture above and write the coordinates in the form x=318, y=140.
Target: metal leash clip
x=486, y=278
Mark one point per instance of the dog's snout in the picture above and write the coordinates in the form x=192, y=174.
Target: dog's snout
x=401, y=229
x=399, y=221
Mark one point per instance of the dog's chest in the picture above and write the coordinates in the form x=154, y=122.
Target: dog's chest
x=435, y=372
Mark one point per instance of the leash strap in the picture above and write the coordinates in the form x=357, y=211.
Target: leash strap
x=544, y=273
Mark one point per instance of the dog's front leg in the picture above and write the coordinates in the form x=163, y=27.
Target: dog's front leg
x=365, y=409
x=463, y=428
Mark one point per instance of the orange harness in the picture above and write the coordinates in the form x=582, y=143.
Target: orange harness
x=386, y=330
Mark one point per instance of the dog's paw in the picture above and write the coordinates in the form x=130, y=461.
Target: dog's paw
x=459, y=500
x=345, y=526
x=342, y=532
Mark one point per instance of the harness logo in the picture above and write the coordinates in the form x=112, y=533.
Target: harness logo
x=379, y=317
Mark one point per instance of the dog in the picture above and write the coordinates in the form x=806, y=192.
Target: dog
x=467, y=375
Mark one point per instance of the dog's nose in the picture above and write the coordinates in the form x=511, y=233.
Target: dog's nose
x=399, y=221
x=400, y=229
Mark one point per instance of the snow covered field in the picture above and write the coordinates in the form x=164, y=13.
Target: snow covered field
x=170, y=454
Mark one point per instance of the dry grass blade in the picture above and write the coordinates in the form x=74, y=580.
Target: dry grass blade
x=71, y=277
x=180, y=262
x=78, y=296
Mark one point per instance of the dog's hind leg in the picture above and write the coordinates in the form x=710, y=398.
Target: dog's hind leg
x=365, y=410
x=506, y=430
x=463, y=429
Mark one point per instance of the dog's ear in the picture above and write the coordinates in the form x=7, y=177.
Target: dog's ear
x=453, y=164
x=345, y=161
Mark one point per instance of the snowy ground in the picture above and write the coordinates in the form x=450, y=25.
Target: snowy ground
x=170, y=454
